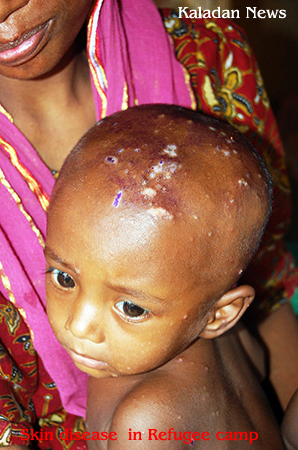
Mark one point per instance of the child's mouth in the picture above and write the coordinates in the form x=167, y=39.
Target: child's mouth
x=86, y=360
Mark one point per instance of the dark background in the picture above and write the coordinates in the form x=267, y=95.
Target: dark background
x=275, y=43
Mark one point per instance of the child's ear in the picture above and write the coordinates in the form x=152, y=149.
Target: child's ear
x=227, y=310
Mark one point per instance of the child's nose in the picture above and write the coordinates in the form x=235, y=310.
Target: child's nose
x=9, y=6
x=86, y=322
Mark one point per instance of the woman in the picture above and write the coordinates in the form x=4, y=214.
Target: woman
x=48, y=100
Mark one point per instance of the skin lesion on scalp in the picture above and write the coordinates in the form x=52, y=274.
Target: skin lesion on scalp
x=149, y=192
x=171, y=150
x=111, y=160
x=118, y=199
x=158, y=212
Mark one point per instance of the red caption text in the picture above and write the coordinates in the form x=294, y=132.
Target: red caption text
x=152, y=434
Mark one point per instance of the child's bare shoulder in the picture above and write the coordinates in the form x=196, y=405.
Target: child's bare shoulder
x=163, y=404
x=187, y=401
x=150, y=409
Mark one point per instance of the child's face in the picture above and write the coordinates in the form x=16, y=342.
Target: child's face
x=122, y=291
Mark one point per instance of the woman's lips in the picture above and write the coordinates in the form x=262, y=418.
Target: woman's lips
x=86, y=361
x=24, y=48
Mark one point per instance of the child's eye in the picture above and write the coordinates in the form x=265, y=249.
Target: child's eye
x=131, y=310
x=62, y=278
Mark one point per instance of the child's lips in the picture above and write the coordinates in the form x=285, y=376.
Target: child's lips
x=21, y=49
x=86, y=361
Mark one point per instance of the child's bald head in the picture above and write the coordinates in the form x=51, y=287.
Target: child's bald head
x=182, y=169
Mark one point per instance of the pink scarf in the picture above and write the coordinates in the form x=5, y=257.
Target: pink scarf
x=131, y=62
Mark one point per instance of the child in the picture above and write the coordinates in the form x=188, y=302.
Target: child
x=155, y=216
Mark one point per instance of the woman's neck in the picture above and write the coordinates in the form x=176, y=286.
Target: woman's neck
x=53, y=111
x=66, y=79
x=16, y=93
